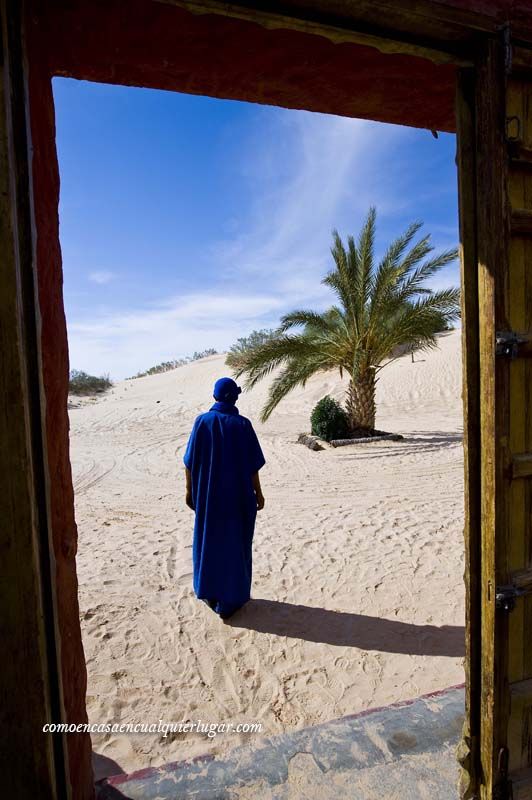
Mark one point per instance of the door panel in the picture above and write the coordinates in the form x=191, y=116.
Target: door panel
x=518, y=298
x=497, y=259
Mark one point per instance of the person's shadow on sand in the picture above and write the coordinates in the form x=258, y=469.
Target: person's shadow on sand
x=350, y=630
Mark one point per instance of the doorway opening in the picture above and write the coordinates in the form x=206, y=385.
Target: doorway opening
x=199, y=222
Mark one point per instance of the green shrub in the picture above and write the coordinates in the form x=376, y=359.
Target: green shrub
x=82, y=383
x=329, y=420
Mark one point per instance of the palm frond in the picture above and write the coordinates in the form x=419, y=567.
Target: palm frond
x=417, y=323
x=338, y=278
x=420, y=250
x=362, y=269
x=413, y=283
x=391, y=265
x=411, y=287
x=260, y=361
x=312, y=319
x=293, y=375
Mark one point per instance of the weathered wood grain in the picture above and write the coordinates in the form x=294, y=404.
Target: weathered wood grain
x=466, y=161
x=521, y=222
x=518, y=300
x=493, y=255
x=522, y=465
x=364, y=30
x=522, y=579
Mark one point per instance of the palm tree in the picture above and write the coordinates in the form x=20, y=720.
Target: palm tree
x=381, y=311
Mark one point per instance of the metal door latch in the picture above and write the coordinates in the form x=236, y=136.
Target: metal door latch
x=513, y=130
x=505, y=597
x=507, y=343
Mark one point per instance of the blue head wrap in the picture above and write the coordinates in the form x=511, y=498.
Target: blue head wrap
x=226, y=390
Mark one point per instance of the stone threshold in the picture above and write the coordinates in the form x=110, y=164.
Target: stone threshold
x=405, y=751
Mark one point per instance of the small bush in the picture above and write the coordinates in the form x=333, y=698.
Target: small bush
x=165, y=366
x=210, y=351
x=82, y=383
x=329, y=420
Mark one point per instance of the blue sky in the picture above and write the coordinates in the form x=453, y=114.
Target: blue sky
x=186, y=221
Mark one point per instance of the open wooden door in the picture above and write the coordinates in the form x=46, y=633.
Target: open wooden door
x=494, y=118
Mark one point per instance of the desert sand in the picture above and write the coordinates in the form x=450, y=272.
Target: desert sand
x=358, y=597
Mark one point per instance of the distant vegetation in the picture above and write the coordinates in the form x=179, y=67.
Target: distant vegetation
x=82, y=383
x=238, y=352
x=166, y=366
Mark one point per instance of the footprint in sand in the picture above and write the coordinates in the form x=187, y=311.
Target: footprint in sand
x=170, y=562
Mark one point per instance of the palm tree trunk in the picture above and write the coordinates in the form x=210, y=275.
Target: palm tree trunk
x=360, y=401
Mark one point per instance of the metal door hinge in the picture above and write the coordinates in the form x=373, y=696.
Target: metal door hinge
x=505, y=597
x=507, y=343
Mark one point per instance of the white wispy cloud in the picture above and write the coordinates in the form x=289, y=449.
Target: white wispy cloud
x=101, y=276
x=333, y=177
x=123, y=343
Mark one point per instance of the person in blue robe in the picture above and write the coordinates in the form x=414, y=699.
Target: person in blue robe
x=222, y=461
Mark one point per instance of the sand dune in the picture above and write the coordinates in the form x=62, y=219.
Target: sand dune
x=358, y=593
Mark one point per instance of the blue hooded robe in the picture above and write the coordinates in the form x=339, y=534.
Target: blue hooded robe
x=223, y=453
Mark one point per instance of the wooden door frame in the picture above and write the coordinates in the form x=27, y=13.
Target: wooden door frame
x=482, y=177
x=39, y=765
x=36, y=765
x=468, y=754
x=488, y=632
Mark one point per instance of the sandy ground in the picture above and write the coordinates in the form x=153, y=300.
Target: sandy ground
x=358, y=562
